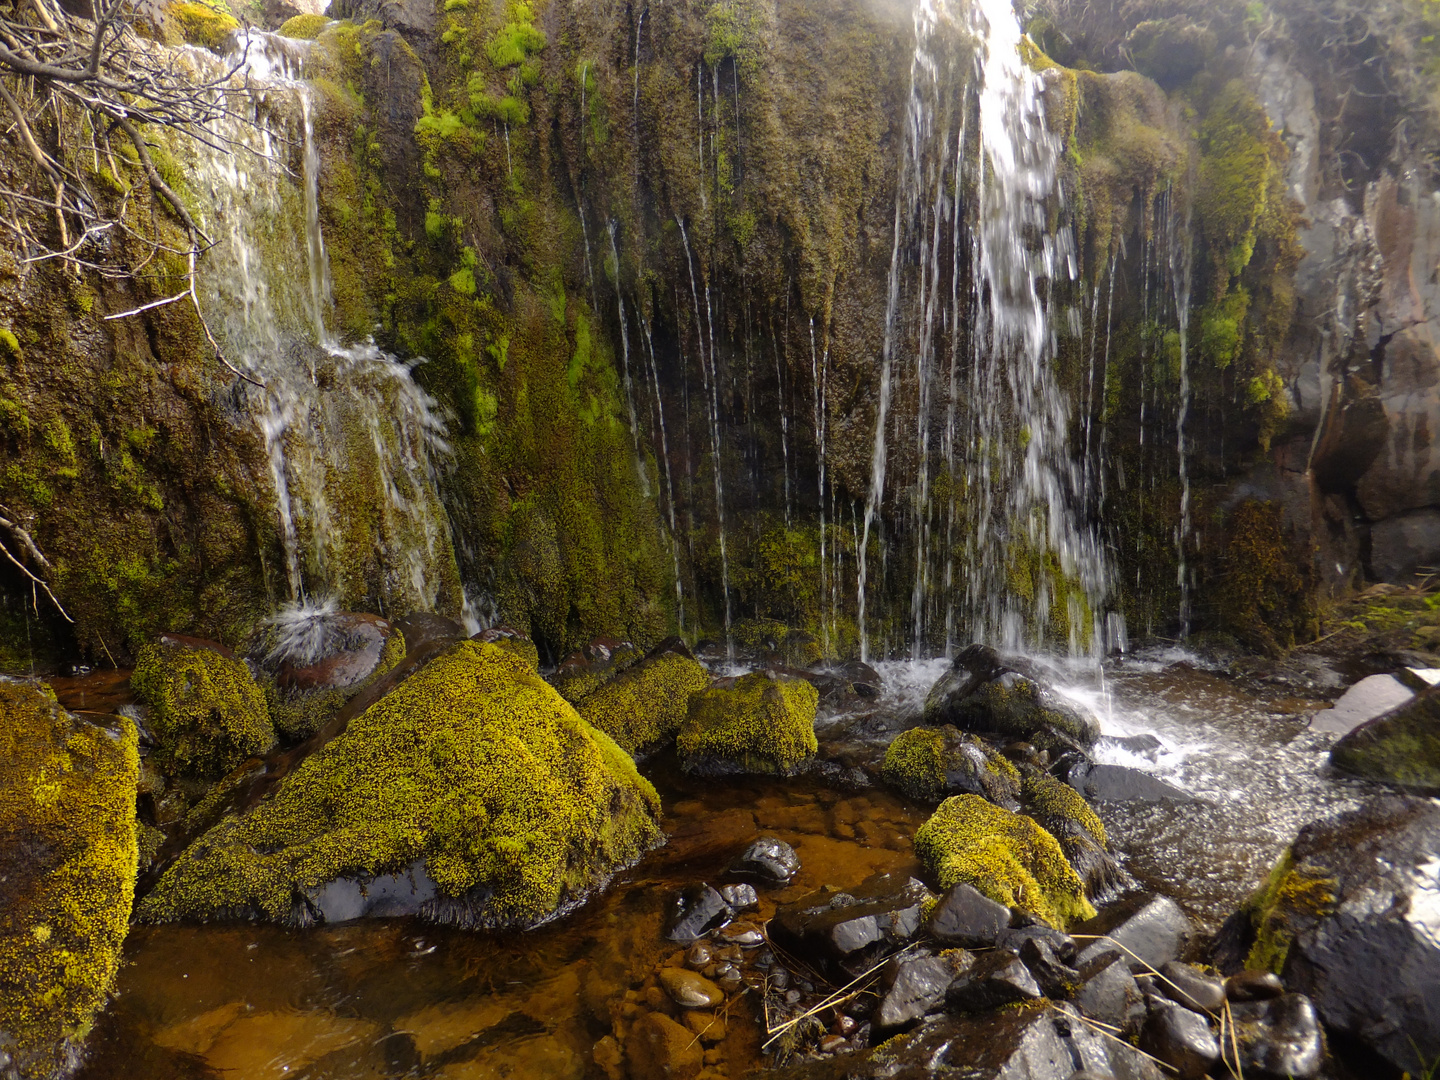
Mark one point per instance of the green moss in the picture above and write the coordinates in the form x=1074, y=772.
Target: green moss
x=1289, y=892
x=207, y=711
x=762, y=723
x=10, y=344
x=474, y=765
x=203, y=25
x=67, y=873
x=647, y=702
x=586, y=671
x=930, y=763
x=1402, y=747
x=1263, y=579
x=1237, y=148
x=307, y=27
x=1058, y=806
x=298, y=715
x=1006, y=856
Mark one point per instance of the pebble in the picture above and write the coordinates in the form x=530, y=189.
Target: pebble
x=779, y=978
x=845, y=1025
x=831, y=1043
x=745, y=934
x=1253, y=986
x=699, y=956
x=731, y=953
x=740, y=897
x=1191, y=987
x=792, y=997
x=707, y=1025
x=728, y=978
x=689, y=990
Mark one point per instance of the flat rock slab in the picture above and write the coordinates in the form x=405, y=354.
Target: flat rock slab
x=1370, y=697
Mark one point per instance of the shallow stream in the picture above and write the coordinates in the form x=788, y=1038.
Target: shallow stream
x=397, y=998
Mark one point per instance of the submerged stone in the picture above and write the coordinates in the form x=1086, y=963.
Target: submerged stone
x=648, y=701
x=206, y=710
x=690, y=990
x=986, y=692
x=67, y=875
x=933, y=763
x=768, y=861
x=696, y=911
x=1005, y=856
x=1400, y=747
x=517, y=808
x=763, y=723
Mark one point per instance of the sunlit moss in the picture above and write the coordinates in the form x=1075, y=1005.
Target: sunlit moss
x=762, y=723
x=647, y=702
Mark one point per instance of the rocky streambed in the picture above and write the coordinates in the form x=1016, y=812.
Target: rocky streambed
x=998, y=866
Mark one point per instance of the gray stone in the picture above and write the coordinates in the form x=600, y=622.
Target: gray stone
x=1109, y=993
x=967, y=918
x=1147, y=930
x=1188, y=986
x=1370, y=697
x=844, y=933
x=997, y=978
x=1400, y=747
x=740, y=897
x=1180, y=1038
x=1120, y=783
x=985, y=692
x=910, y=987
x=1056, y=978
x=696, y=911
x=1253, y=986
x=1280, y=1037
x=383, y=896
x=767, y=861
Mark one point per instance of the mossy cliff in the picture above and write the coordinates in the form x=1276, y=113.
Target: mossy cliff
x=473, y=767
x=67, y=875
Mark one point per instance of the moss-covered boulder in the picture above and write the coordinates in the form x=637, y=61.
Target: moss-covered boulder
x=473, y=781
x=207, y=712
x=1064, y=814
x=306, y=27
x=1400, y=747
x=201, y=24
x=512, y=640
x=984, y=691
x=933, y=763
x=67, y=875
x=587, y=669
x=1006, y=856
x=762, y=722
x=648, y=702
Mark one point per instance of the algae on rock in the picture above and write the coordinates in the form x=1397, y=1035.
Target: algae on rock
x=517, y=807
x=67, y=875
x=1006, y=856
x=763, y=722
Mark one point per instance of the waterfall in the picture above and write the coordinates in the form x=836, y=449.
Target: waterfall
x=1181, y=261
x=818, y=380
x=640, y=473
x=674, y=536
x=342, y=425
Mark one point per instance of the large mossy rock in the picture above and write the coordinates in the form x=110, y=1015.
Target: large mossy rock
x=1350, y=916
x=590, y=667
x=986, y=692
x=1064, y=814
x=67, y=875
x=1400, y=747
x=649, y=701
x=932, y=763
x=762, y=722
x=206, y=709
x=1006, y=856
x=473, y=780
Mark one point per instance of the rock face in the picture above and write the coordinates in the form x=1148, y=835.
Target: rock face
x=986, y=692
x=762, y=722
x=1349, y=918
x=1005, y=856
x=648, y=701
x=1400, y=747
x=206, y=710
x=67, y=875
x=472, y=770
x=933, y=763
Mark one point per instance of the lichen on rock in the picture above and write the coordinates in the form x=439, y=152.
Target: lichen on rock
x=67, y=875
x=1065, y=815
x=647, y=702
x=762, y=722
x=206, y=710
x=474, y=766
x=1006, y=856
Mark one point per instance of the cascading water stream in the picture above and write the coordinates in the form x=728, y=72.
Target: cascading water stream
x=665, y=464
x=640, y=473
x=1181, y=262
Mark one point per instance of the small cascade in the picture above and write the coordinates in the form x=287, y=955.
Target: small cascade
x=818, y=376
x=710, y=373
x=640, y=474
x=1181, y=265
x=353, y=444
x=674, y=534
x=782, y=363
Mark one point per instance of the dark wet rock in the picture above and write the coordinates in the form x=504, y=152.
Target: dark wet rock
x=1372, y=696
x=740, y=897
x=185, y=641
x=1120, y=783
x=1400, y=747
x=67, y=874
x=845, y=684
x=996, y=978
x=1148, y=930
x=1349, y=918
x=985, y=692
x=379, y=896
x=767, y=861
x=1109, y=993
x=1180, y=1038
x=1280, y=1037
x=763, y=722
x=698, y=910
x=847, y=932
x=1186, y=985
x=593, y=665
x=1170, y=51
x=1145, y=745
x=690, y=990
x=423, y=627
x=932, y=763
x=1065, y=815
x=964, y=917
x=910, y=987
x=1062, y=944
x=507, y=637
x=1253, y=986
x=1056, y=978
x=698, y=956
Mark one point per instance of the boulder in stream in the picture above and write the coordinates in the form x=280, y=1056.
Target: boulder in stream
x=67, y=875
x=588, y=668
x=1350, y=917
x=207, y=712
x=1400, y=747
x=933, y=763
x=986, y=692
x=1005, y=856
x=472, y=775
x=648, y=701
x=762, y=723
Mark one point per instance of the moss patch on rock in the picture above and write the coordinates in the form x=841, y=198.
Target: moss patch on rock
x=1401, y=747
x=1064, y=814
x=306, y=27
x=473, y=765
x=763, y=722
x=647, y=702
x=298, y=715
x=67, y=874
x=1292, y=892
x=1006, y=856
x=931, y=763
x=201, y=24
